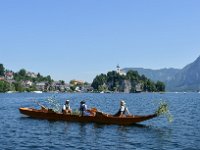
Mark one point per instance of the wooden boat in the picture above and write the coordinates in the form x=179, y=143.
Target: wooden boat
x=97, y=117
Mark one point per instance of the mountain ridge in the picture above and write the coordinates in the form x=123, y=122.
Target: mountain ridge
x=185, y=79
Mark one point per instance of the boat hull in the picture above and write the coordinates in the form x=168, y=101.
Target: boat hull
x=100, y=117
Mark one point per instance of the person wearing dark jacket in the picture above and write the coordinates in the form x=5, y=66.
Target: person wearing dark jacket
x=123, y=110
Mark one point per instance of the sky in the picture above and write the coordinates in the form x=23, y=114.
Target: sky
x=80, y=39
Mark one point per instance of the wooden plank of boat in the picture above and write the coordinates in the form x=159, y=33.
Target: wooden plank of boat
x=98, y=118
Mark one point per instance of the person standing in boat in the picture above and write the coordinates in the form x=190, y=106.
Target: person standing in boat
x=66, y=108
x=83, y=109
x=123, y=110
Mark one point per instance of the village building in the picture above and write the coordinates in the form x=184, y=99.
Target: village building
x=31, y=74
x=9, y=75
x=40, y=86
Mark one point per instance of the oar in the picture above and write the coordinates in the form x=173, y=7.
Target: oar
x=43, y=107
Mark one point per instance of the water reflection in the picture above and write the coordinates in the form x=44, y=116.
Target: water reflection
x=110, y=134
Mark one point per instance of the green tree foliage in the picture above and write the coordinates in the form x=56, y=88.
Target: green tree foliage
x=49, y=80
x=149, y=86
x=19, y=87
x=86, y=83
x=21, y=75
x=31, y=88
x=62, y=82
x=4, y=86
x=133, y=76
x=102, y=87
x=22, y=72
x=99, y=81
x=72, y=88
x=2, y=70
x=114, y=80
x=160, y=86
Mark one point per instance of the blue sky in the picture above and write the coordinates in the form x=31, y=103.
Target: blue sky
x=79, y=39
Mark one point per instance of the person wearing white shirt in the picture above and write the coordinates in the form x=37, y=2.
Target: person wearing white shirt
x=83, y=108
x=66, y=108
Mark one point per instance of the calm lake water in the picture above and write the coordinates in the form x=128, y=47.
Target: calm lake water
x=19, y=132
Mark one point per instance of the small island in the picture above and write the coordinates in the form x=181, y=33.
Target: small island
x=130, y=82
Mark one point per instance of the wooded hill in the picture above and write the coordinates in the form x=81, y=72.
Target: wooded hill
x=130, y=82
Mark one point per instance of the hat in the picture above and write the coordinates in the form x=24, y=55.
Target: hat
x=122, y=102
x=67, y=101
x=82, y=102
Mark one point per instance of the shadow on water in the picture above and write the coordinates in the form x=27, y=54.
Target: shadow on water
x=140, y=128
x=84, y=129
x=99, y=125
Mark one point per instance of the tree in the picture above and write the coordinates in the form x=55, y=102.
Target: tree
x=62, y=82
x=22, y=72
x=18, y=87
x=38, y=75
x=114, y=81
x=160, y=86
x=149, y=86
x=2, y=70
x=98, y=81
x=49, y=79
x=133, y=76
x=143, y=78
x=72, y=88
x=102, y=87
x=86, y=83
x=4, y=86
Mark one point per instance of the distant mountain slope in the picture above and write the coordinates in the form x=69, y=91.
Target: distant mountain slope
x=163, y=75
x=186, y=79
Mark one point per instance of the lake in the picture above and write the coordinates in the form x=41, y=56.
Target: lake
x=20, y=132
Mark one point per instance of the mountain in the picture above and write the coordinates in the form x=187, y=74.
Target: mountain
x=186, y=79
x=163, y=75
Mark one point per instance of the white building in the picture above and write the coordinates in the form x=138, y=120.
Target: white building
x=120, y=71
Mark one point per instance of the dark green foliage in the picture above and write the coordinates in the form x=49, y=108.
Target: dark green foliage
x=72, y=88
x=100, y=80
x=62, y=82
x=2, y=70
x=4, y=86
x=19, y=87
x=31, y=88
x=114, y=81
x=22, y=72
x=160, y=86
x=133, y=75
x=21, y=75
x=149, y=86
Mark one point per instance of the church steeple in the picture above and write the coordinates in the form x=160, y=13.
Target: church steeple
x=118, y=68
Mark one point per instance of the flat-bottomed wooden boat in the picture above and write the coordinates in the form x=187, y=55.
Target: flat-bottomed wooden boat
x=99, y=117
